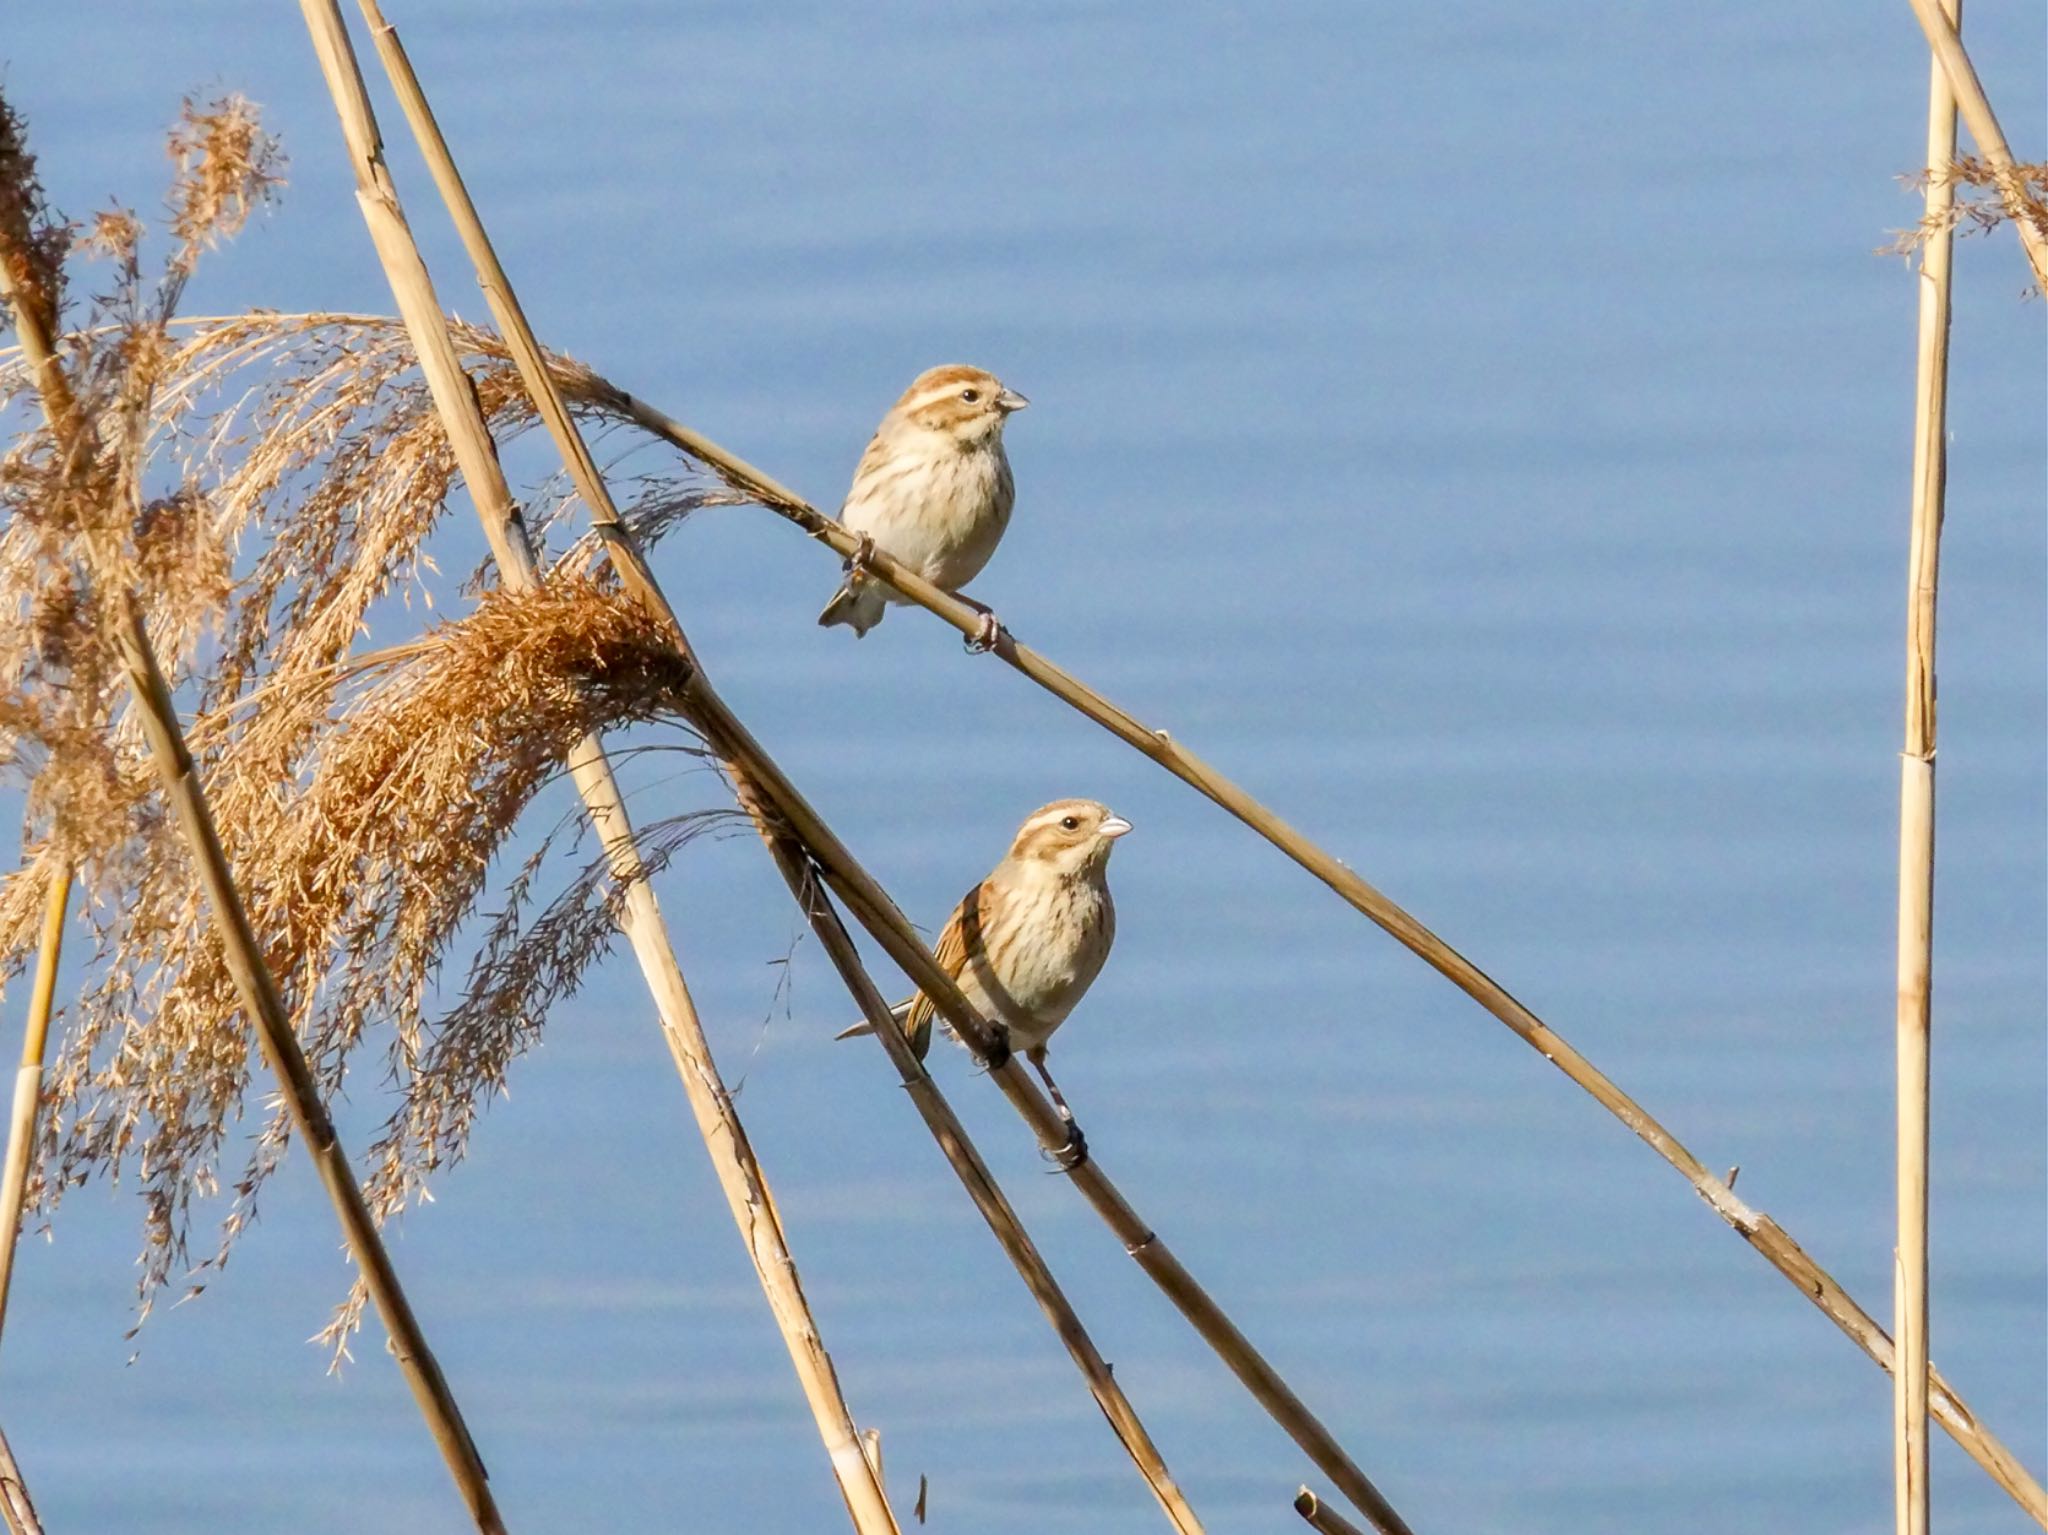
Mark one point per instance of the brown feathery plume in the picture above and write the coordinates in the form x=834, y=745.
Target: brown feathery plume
x=318, y=444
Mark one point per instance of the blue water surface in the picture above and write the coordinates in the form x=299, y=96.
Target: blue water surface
x=1483, y=430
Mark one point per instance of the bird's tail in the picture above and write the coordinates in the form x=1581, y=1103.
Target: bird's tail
x=919, y=1041
x=857, y=604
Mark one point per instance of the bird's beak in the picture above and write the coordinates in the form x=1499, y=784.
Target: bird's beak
x=1113, y=828
x=1009, y=400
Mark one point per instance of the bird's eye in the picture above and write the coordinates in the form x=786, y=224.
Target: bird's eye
x=970, y=395
x=1069, y=823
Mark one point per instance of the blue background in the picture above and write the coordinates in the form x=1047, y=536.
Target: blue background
x=1483, y=430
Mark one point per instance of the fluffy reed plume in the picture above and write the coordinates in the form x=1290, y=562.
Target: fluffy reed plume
x=362, y=803
x=87, y=516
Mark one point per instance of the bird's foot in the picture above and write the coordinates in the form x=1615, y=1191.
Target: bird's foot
x=1072, y=1152
x=999, y=1051
x=983, y=639
x=863, y=552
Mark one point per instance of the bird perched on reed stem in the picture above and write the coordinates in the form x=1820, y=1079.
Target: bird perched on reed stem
x=1026, y=943
x=933, y=490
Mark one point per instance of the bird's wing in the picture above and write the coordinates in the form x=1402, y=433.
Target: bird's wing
x=857, y=511
x=951, y=953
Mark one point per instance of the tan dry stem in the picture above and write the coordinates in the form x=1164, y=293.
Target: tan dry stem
x=1321, y=1517
x=1759, y=1230
x=1916, y=823
x=112, y=576
x=16, y=1507
x=2022, y=200
x=28, y=1080
x=739, y=1172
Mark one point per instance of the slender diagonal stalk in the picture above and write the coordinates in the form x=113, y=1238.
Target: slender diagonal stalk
x=791, y=859
x=752, y=768
x=1916, y=817
x=739, y=1172
x=28, y=1080
x=244, y=958
x=1756, y=1228
x=1953, y=62
x=1320, y=1517
x=16, y=1507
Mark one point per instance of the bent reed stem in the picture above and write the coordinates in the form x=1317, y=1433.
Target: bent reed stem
x=738, y=1169
x=1757, y=1229
x=791, y=859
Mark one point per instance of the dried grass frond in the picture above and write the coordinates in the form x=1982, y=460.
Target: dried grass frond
x=520, y=971
x=1980, y=205
x=362, y=815
x=361, y=800
x=88, y=518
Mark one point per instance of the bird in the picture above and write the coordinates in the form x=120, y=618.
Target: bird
x=933, y=490
x=1027, y=942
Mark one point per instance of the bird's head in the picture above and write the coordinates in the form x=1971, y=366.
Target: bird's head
x=959, y=402
x=1069, y=837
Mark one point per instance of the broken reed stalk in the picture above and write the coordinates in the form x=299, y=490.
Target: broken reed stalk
x=791, y=859
x=1321, y=1517
x=1756, y=1228
x=739, y=1172
x=1953, y=62
x=16, y=1506
x=1916, y=816
x=243, y=956
x=28, y=1081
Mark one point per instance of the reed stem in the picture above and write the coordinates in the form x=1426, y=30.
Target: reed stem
x=1759, y=1230
x=952, y=1137
x=244, y=956
x=794, y=862
x=750, y=765
x=1953, y=63
x=1321, y=1517
x=16, y=1507
x=738, y=1169
x=28, y=1080
x=1916, y=816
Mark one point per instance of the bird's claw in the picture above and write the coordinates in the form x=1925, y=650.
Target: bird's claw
x=999, y=1051
x=983, y=639
x=863, y=552
x=1072, y=1152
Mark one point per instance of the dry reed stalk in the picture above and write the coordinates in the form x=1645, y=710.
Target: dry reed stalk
x=797, y=868
x=725, y=1139
x=34, y=308
x=790, y=858
x=28, y=1080
x=1321, y=1517
x=1759, y=1230
x=16, y=1506
x=949, y=1132
x=2022, y=206
x=1916, y=817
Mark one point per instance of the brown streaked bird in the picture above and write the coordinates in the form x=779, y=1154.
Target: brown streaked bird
x=934, y=490
x=1027, y=942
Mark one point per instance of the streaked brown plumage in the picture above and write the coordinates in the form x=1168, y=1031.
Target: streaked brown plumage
x=1027, y=942
x=933, y=489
